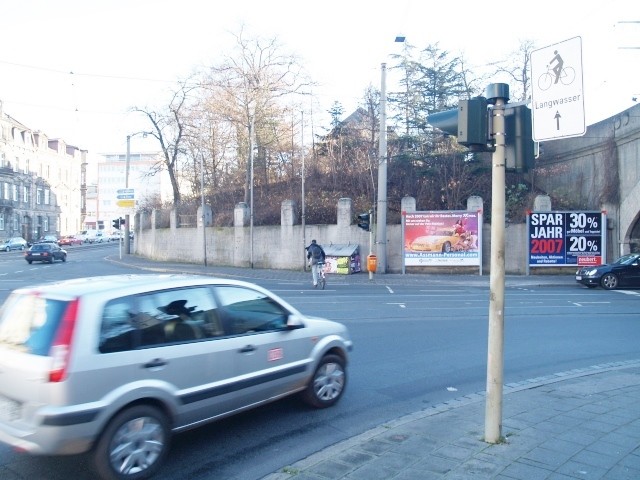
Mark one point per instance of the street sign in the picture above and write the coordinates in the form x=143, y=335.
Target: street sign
x=557, y=92
x=126, y=198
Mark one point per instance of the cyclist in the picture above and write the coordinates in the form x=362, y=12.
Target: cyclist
x=315, y=255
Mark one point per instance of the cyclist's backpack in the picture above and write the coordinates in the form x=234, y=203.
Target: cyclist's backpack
x=316, y=252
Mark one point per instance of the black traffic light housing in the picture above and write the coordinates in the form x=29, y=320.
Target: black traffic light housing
x=471, y=124
x=519, y=145
x=364, y=221
x=117, y=223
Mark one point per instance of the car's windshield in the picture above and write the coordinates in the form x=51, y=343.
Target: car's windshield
x=627, y=259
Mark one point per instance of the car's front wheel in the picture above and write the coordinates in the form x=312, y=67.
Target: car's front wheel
x=609, y=281
x=133, y=445
x=327, y=384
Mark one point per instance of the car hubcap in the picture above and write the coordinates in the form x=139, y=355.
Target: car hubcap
x=329, y=381
x=136, y=445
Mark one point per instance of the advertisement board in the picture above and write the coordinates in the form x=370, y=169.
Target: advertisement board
x=442, y=238
x=566, y=238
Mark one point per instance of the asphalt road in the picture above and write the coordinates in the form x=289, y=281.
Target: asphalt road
x=415, y=346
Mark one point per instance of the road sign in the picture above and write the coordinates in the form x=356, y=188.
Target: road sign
x=125, y=197
x=557, y=92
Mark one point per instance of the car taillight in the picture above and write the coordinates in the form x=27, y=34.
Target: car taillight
x=61, y=346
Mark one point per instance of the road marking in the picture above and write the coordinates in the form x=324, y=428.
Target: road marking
x=401, y=305
x=627, y=292
x=582, y=304
x=390, y=289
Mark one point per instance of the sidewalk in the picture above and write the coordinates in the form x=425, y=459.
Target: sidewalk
x=581, y=424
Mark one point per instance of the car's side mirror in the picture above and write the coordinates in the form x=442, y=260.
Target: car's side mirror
x=294, y=322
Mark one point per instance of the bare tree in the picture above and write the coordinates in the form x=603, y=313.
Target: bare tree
x=516, y=67
x=168, y=127
x=253, y=83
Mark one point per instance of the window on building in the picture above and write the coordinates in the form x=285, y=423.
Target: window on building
x=39, y=196
x=47, y=196
x=26, y=166
x=45, y=223
x=7, y=191
x=25, y=194
x=14, y=194
x=1, y=221
x=16, y=223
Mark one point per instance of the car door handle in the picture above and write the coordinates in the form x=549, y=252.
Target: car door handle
x=248, y=349
x=156, y=362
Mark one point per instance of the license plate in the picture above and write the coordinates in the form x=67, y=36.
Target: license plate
x=9, y=409
x=578, y=277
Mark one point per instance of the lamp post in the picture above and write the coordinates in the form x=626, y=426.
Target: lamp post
x=381, y=216
x=127, y=216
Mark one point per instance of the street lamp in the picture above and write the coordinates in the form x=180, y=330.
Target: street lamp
x=381, y=220
x=127, y=217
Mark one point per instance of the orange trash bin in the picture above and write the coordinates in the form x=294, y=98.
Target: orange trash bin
x=372, y=263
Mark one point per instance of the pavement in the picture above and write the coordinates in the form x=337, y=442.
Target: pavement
x=580, y=424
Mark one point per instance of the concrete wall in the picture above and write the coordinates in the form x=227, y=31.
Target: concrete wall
x=598, y=171
x=282, y=247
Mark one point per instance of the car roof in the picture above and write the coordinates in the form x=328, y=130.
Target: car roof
x=127, y=284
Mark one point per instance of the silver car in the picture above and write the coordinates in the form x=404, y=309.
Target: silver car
x=116, y=364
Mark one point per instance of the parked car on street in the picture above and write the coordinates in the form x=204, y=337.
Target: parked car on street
x=69, y=240
x=47, y=239
x=115, y=365
x=45, y=252
x=624, y=272
x=14, y=243
x=96, y=236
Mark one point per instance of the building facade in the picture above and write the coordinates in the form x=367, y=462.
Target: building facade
x=42, y=183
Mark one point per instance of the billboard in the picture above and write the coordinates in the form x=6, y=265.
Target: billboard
x=442, y=238
x=566, y=238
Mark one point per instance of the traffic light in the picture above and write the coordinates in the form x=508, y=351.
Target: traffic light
x=469, y=123
x=364, y=221
x=519, y=141
x=116, y=224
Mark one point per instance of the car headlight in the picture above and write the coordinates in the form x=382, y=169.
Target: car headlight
x=591, y=272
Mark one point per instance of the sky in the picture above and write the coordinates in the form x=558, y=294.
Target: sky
x=75, y=68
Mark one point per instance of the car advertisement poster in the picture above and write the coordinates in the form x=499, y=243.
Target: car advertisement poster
x=566, y=238
x=442, y=238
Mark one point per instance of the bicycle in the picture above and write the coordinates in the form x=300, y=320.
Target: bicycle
x=567, y=76
x=322, y=279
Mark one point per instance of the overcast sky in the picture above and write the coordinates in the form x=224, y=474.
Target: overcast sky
x=73, y=68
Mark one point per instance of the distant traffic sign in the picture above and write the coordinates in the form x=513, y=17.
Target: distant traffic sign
x=557, y=91
x=125, y=197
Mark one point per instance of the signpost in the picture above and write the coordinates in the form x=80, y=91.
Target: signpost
x=126, y=198
x=557, y=91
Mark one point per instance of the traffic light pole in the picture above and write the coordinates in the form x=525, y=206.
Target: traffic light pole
x=499, y=94
x=381, y=211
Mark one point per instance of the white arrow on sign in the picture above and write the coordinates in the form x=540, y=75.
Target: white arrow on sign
x=557, y=93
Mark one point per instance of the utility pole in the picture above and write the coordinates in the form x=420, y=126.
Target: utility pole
x=381, y=220
x=127, y=217
x=498, y=94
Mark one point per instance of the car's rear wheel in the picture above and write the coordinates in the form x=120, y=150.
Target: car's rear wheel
x=609, y=281
x=7, y=249
x=64, y=258
x=327, y=384
x=133, y=445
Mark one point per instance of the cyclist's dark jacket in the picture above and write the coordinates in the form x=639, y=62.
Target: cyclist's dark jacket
x=315, y=253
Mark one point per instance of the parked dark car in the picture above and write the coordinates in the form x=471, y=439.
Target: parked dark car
x=45, y=252
x=14, y=243
x=624, y=272
x=47, y=239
